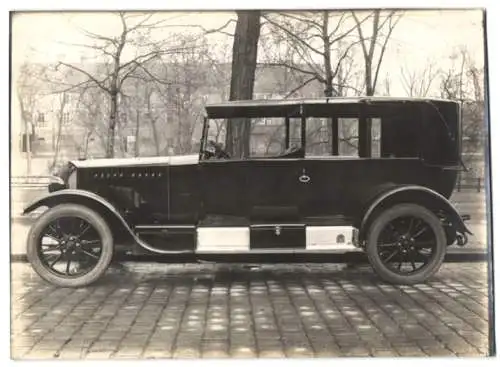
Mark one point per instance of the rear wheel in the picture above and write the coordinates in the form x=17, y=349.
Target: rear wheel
x=70, y=246
x=406, y=244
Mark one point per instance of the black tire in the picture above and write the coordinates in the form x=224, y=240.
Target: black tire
x=98, y=228
x=385, y=243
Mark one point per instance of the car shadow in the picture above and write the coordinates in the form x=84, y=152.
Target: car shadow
x=229, y=274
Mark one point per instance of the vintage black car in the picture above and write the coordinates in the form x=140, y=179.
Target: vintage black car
x=315, y=176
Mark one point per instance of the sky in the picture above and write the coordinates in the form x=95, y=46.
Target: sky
x=420, y=38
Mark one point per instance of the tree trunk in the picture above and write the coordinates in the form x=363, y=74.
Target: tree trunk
x=86, y=149
x=28, y=148
x=155, y=136
x=179, y=124
x=25, y=137
x=60, y=121
x=137, y=126
x=58, y=143
x=333, y=125
x=110, y=148
x=327, y=57
x=246, y=38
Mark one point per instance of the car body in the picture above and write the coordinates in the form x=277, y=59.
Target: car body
x=314, y=176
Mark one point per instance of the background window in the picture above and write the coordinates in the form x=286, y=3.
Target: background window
x=40, y=120
x=65, y=118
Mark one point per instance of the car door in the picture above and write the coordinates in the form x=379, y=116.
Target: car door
x=324, y=194
x=273, y=204
x=222, y=186
x=272, y=186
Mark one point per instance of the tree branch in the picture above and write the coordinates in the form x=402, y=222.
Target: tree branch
x=98, y=36
x=304, y=19
x=344, y=55
x=93, y=47
x=302, y=85
x=153, y=78
x=294, y=36
x=293, y=67
x=339, y=23
x=205, y=30
x=100, y=84
x=384, y=46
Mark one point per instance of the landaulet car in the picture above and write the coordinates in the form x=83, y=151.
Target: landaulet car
x=274, y=179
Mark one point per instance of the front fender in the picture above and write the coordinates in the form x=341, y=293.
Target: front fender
x=118, y=224
x=103, y=207
x=68, y=195
x=416, y=194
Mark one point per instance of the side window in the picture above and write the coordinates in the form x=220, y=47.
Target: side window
x=318, y=137
x=348, y=137
x=267, y=137
x=217, y=131
x=295, y=141
x=376, y=137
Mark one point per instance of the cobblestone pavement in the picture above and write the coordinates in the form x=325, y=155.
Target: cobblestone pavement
x=180, y=311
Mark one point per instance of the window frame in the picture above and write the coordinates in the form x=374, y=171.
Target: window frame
x=365, y=114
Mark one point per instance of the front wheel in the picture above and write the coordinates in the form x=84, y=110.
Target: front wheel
x=406, y=244
x=70, y=246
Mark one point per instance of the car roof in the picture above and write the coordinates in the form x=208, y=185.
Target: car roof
x=296, y=107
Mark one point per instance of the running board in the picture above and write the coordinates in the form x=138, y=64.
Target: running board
x=253, y=239
x=334, y=251
x=167, y=239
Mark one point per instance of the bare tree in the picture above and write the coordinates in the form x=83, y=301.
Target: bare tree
x=61, y=115
x=91, y=110
x=387, y=86
x=29, y=91
x=318, y=45
x=116, y=66
x=463, y=82
x=164, y=102
x=321, y=46
x=382, y=28
x=372, y=63
x=418, y=83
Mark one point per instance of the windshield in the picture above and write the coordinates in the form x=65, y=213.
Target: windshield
x=268, y=137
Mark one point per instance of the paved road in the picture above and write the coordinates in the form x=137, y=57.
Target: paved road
x=162, y=311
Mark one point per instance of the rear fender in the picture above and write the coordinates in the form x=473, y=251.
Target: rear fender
x=424, y=196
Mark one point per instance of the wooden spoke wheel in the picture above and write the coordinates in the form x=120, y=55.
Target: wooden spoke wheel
x=406, y=244
x=70, y=246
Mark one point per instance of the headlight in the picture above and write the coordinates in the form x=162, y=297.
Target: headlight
x=72, y=180
x=56, y=180
x=56, y=184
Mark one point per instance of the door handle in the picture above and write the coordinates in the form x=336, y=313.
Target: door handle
x=304, y=178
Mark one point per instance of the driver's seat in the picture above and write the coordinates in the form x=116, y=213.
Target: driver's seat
x=293, y=152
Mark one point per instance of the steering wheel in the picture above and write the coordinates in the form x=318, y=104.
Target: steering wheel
x=215, y=150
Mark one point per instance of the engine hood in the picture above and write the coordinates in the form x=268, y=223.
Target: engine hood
x=179, y=160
